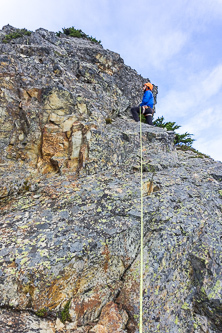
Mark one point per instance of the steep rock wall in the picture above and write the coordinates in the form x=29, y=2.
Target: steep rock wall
x=70, y=201
x=49, y=83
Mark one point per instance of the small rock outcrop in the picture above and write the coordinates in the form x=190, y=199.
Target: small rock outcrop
x=70, y=200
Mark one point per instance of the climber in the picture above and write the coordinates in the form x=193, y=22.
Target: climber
x=146, y=106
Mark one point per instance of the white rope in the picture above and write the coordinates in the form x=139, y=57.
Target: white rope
x=141, y=239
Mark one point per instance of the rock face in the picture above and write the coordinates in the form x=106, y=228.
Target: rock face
x=51, y=86
x=70, y=201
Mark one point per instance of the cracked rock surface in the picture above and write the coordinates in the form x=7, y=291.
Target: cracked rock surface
x=70, y=202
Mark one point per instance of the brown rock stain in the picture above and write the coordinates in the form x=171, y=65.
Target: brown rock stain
x=106, y=254
x=113, y=319
x=149, y=188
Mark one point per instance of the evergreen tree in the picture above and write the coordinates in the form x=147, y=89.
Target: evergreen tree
x=180, y=139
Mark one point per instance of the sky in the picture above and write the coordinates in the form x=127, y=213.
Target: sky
x=177, y=45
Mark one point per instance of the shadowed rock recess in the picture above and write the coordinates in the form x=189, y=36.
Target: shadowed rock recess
x=70, y=200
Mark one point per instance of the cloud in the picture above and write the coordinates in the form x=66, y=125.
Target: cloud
x=54, y=14
x=199, y=122
x=196, y=105
x=152, y=32
x=154, y=35
x=206, y=130
x=210, y=146
x=141, y=51
x=169, y=44
x=209, y=118
x=206, y=9
x=213, y=83
x=193, y=95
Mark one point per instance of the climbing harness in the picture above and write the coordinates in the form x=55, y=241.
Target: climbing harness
x=141, y=240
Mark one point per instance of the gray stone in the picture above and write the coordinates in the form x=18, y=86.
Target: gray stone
x=70, y=227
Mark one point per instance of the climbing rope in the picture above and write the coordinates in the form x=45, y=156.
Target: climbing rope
x=141, y=240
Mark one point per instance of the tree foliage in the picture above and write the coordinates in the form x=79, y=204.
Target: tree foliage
x=73, y=32
x=16, y=34
x=180, y=139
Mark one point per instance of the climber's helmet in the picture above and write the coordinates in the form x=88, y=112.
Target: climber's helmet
x=148, y=85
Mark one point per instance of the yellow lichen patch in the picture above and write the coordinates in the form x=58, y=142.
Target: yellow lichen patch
x=216, y=291
x=29, y=289
x=52, y=294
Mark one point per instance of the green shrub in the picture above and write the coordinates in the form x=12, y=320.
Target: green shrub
x=198, y=154
x=180, y=139
x=170, y=126
x=143, y=118
x=41, y=313
x=65, y=316
x=73, y=32
x=16, y=34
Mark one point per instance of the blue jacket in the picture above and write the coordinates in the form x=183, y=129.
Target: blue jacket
x=147, y=99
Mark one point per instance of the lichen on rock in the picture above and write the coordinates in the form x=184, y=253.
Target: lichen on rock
x=70, y=200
